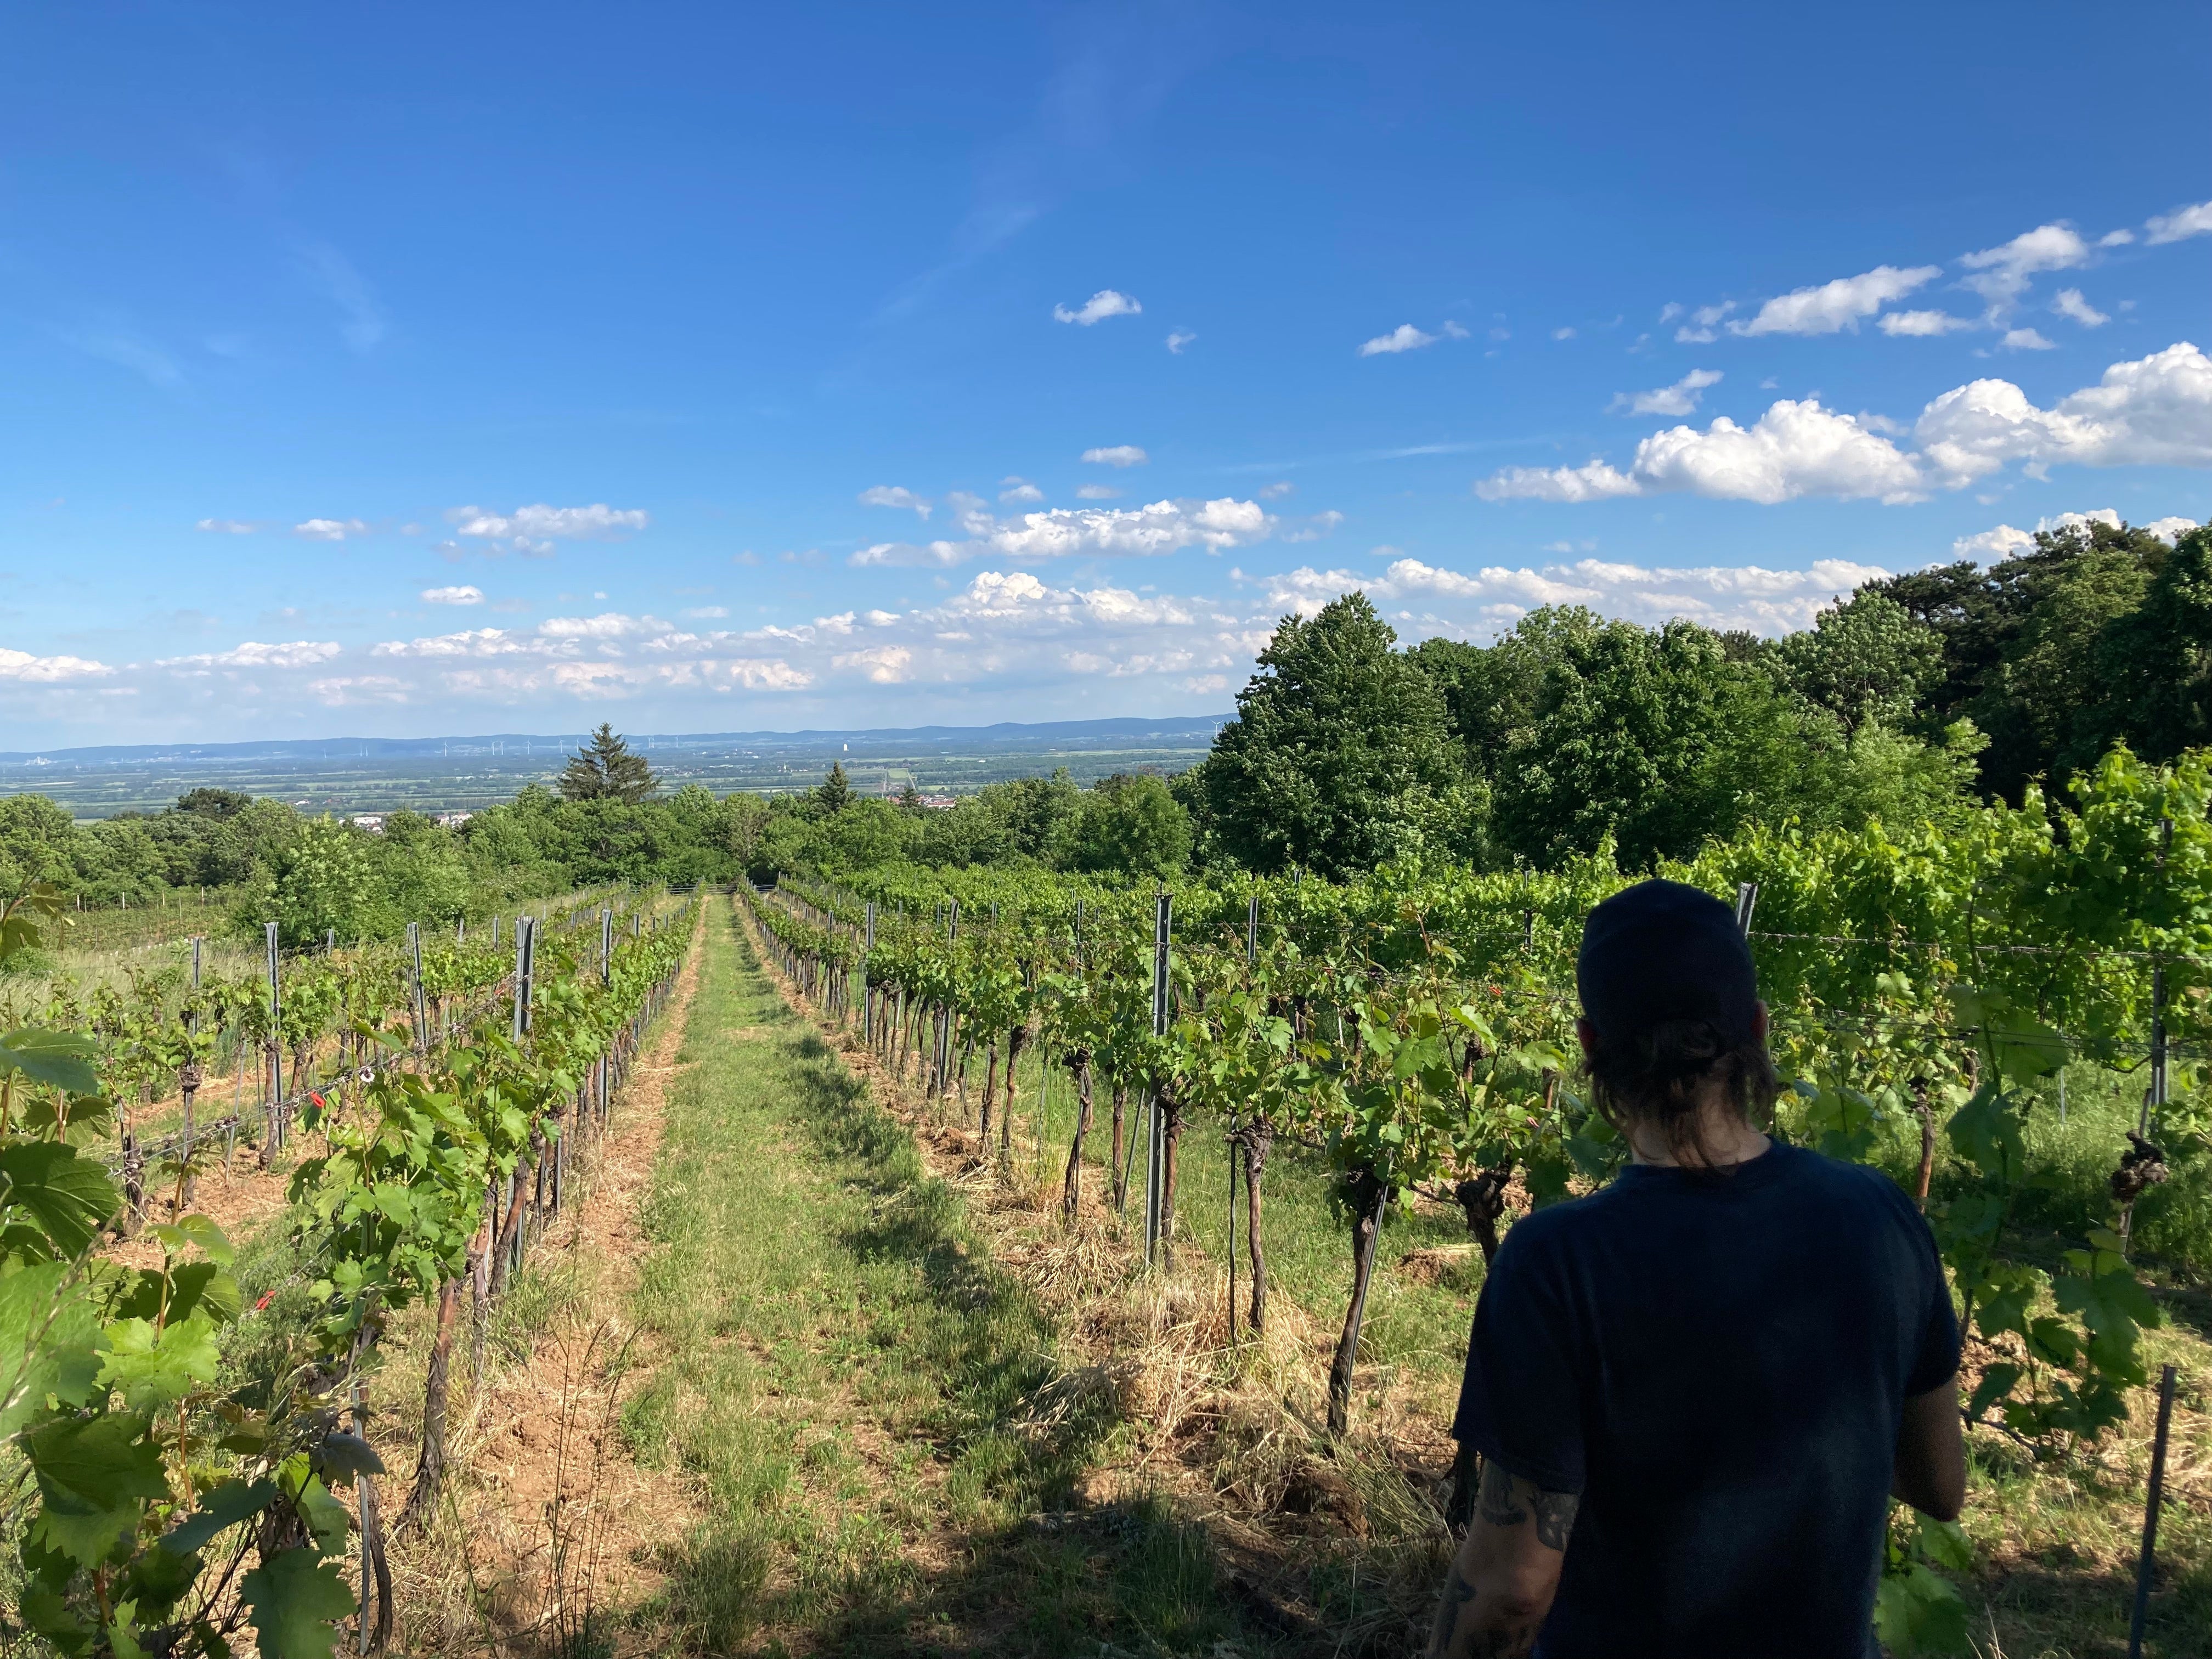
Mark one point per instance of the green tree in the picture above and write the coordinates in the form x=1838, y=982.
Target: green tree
x=1866, y=659
x=322, y=879
x=834, y=793
x=606, y=769
x=1340, y=755
x=2151, y=673
x=1131, y=825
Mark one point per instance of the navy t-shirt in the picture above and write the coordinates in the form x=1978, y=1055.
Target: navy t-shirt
x=1718, y=1365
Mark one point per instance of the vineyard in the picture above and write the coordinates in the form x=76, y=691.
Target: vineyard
x=430, y=1100
x=1935, y=999
x=1154, y=1212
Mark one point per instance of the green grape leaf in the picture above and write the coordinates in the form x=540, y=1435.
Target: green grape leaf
x=340, y=1456
x=1917, y=1611
x=155, y=1367
x=70, y=1198
x=91, y=1473
x=223, y=1507
x=201, y=1234
x=294, y=1598
x=1944, y=1543
x=1997, y=1382
x=1986, y=1132
x=60, y=1060
x=48, y=1329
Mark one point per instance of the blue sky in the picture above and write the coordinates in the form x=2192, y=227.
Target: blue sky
x=409, y=370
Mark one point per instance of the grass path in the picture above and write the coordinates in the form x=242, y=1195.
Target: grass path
x=875, y=1415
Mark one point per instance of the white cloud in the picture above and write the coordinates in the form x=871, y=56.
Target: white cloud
x=534, y=529
x=1793, y=449
x=1107, y=302
x=227, y=526
x=1404, y=338
x=1019, y=489
x=706, y=612
x=27, y=669
x=608, y=625
x=1563, y=334
x=1117, y=455
x=2180, y=224
x=1679, y=398
x=886, y=665
x=2107, y=516
x=1841, y=304
x=1479, y=602
x=1315, y=528
x=1914, y=324
x=253, y=654
x=1699, y=330
x=1163, y=527
x=1180, y=338
x=2025, y=339
x=1989, y=546
x=1457, y=331
x=330, y=530
x=2170, y=529
x=461, y=595
x=2152, y=411
x=893, y=496
x=1275, y=492
x=2002, y=273
x=2068, y=302
x=1099, y=492
x=354, y=691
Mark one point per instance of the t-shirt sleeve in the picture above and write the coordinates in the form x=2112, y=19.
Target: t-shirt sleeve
x=1936, y=1358
x=1521, y=1402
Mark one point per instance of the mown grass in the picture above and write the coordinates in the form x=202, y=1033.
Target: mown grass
x=855, y=1386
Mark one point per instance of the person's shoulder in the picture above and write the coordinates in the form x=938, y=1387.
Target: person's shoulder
x=1861, y=1185
x=1544, y=1233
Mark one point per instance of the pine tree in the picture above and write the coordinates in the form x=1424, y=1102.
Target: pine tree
x=909, y=797
x=606, y=769
x=835, y=793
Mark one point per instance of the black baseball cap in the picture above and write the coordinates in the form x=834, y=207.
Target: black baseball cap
x=1661, y=951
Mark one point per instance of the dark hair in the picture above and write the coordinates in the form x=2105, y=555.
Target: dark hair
x=1661, y=1076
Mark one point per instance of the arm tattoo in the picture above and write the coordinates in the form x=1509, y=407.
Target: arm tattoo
x=1506, y=1500
x=1457, y=1594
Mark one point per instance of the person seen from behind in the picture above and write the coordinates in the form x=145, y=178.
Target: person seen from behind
x=1694, y=1392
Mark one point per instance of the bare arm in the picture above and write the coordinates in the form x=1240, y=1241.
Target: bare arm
x=1501, y=1585
x=1930, y=1472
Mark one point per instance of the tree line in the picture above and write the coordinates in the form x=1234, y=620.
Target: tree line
x=1913, y=700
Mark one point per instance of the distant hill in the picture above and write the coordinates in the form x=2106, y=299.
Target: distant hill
x=438, y=774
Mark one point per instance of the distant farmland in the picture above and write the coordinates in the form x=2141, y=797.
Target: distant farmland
x=432, y=775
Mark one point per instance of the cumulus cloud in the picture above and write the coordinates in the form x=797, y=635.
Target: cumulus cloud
x=1275, y=492
x=1679, y=398
x=1794, y=449
x=1493, y=597
x=2000, y=274
x=1404, y=338
x=1099, y=492
x=1107, y=302
x=2170, y=530
x=894, y=495
x=328, y=530
x=1987, y=546
x=1832, y=306
x=534, y=529
x=1117, y=455
x=884, y=664
x=464, y=594
x=2068, y=302
x=26, y=668
x=253, y=654
x=227, y=526
x=2024, y=339
x=2152, y=411
x=1163, y=527
x=1912, y=325
x=2180, y=224
x=1019, y=489
x=1180, y=338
